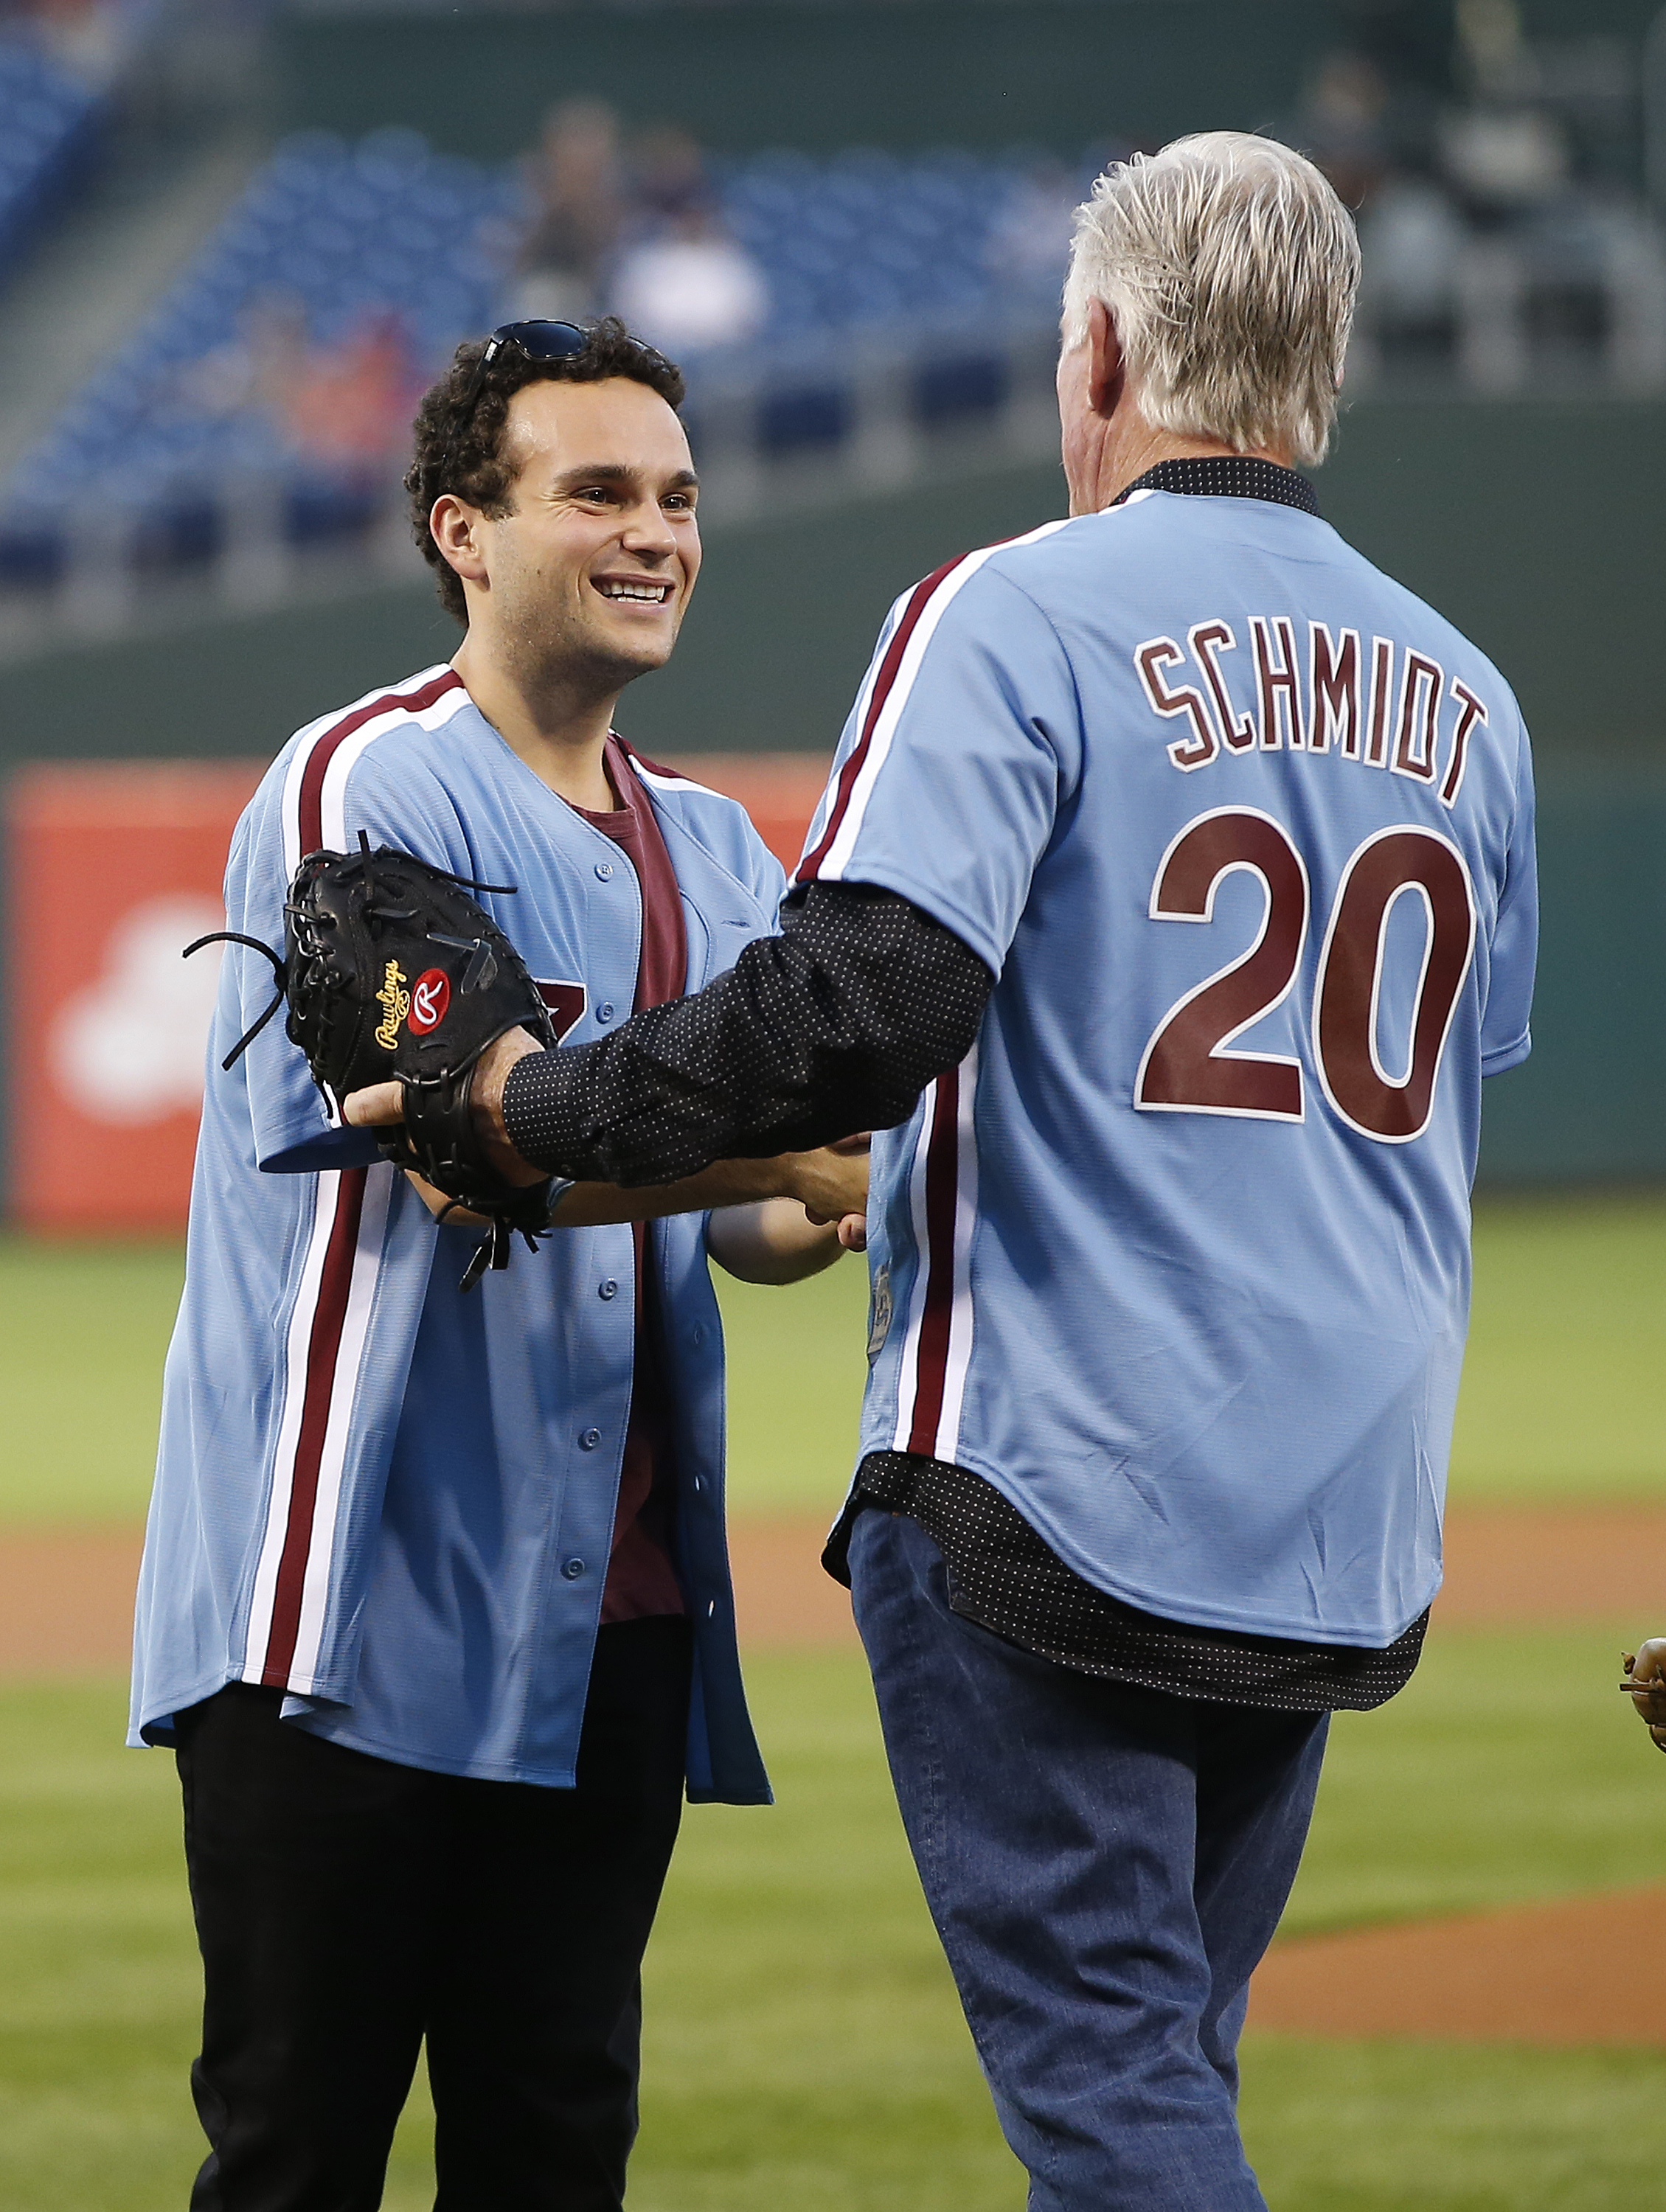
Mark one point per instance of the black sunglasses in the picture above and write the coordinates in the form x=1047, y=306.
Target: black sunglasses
x=538, y=340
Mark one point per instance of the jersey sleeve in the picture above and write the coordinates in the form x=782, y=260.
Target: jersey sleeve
x=272, y=1083
x=964, y=741
x=767, y=878
x=293, y=1127
x=1505, y=1036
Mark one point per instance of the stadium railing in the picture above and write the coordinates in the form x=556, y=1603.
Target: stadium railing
x=899, y=343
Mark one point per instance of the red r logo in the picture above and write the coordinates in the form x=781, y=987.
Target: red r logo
x=431, y=995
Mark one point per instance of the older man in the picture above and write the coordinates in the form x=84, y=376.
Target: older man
x=1187, y=861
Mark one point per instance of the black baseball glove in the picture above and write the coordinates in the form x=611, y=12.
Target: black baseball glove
x=391, y=970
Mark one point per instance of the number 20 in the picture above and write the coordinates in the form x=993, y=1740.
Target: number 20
x=1186, y=1067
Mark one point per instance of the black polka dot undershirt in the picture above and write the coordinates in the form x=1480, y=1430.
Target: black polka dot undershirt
x=836, y=1025
x=1005, y=1578
x=1228, y=475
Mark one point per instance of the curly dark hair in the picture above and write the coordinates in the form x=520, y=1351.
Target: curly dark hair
x=462, y=454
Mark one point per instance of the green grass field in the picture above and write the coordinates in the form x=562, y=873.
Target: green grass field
x=1564, y=1395
x=805, y=2053
x=803, y=2046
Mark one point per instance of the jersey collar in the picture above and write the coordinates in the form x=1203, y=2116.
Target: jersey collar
x=1228, y=475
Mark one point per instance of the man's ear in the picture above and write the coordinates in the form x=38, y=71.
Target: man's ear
x=1107, y=370
x=455, y=527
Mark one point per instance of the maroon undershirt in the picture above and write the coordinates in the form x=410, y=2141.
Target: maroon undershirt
x=641, y=1579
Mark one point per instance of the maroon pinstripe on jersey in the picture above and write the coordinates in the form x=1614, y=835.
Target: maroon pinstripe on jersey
x=310, y=806
x=918, y=600
x=322, y=1340
x=323, y=1355
x=942, y=1182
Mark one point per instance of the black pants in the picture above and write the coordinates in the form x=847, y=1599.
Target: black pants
x=347, y=1907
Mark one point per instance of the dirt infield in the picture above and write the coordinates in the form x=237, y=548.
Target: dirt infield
x=1583, y=1971
x=66, y=1598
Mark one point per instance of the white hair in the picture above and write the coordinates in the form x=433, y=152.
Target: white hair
x=1231, y=267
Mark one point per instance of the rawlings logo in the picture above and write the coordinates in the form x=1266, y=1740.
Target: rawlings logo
x=431, y=995
x=395, y=1004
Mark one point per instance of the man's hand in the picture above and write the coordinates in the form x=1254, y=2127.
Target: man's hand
x=831, y=1185
x=383, y=1104
x=1645, y=1683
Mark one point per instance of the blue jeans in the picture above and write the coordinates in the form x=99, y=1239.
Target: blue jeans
x=1105, y=1866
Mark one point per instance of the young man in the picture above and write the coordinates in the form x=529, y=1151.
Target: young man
x=435, y=1602
x=1187, y=860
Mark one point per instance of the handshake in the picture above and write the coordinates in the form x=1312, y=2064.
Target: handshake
x=411, y=1006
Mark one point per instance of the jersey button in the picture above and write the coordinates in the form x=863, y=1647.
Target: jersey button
x=610, y=1289
x=589, y=1439
x=605, y=871
x=605, y=1012
x=572, y=1569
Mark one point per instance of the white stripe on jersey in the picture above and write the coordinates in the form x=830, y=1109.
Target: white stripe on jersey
x=343, y=1396
x=884, y=727
x=335, y=782
x=856, y=723
x=670, y=778
x=965, y=1223
x=935, y=1360
x=330, y=1198
x=297, y=1340
x=907, y=1367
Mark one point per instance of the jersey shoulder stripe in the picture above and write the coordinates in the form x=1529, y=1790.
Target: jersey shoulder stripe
x=655, y=769
x=892, y=682
x=326, y=750
x=655, y=773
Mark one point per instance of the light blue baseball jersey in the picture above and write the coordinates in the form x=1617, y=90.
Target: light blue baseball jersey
x=1178, y=1258
x=389, y=1498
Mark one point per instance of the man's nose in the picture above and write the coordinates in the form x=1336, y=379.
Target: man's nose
x=648, y=533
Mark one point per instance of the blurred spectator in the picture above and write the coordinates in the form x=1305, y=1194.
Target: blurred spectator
x=1413, y=239
x=692, y=286
x=578, y=213
x=1493, y=52
x=1342, y=124
x=670, y=185
x=685, y=283
x=354, y=403
x=347, y=405
x=91, y=38
x=1505, y=158
x=1506, y=151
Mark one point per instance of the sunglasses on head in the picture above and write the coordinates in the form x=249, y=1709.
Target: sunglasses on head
x=537, y=340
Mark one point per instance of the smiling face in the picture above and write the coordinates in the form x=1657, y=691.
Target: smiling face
x=583, y=583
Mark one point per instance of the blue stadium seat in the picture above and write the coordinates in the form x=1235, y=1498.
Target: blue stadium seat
x=48, y=123
x=335, y=234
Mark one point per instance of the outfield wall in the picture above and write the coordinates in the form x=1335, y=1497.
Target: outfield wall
x=1534, y=525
